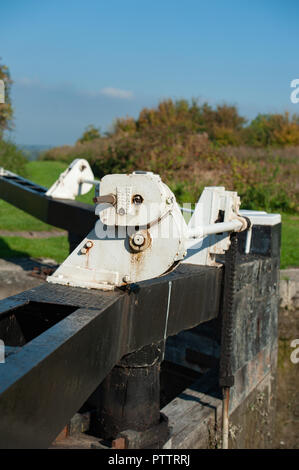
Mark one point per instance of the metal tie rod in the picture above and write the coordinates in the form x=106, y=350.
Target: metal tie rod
x=199, y=232
x=94, y=182
x=185, y=209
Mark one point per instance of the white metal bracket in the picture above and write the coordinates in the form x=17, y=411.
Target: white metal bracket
x=77, y=179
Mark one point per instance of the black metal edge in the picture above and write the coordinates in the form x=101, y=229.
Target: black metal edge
x=62, y=213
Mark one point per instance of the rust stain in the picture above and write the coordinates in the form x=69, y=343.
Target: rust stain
x=87, y=259
x=62, y=435
x=88, y=246
x=137, y=262
x=119, y=443
x=138, y=255
x=137, y=258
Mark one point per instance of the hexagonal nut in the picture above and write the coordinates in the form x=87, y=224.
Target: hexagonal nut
x=140, y=241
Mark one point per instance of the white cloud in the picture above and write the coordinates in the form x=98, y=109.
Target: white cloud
x=108, y=91
x=117, y=93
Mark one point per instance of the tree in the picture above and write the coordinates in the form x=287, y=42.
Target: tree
x=273, y=129
x=6, y=111
x=89, y=134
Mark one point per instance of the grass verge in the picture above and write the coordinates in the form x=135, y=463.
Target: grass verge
x=56, y=248
x=290, y=241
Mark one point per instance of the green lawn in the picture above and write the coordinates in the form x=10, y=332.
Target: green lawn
x=290, y=241
x=56, y=248
x=13, y=219
x=45, y=173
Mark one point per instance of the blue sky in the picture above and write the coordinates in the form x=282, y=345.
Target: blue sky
x=77, y=62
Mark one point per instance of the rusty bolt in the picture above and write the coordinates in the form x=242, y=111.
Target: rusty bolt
x=83, y=251
x=105, y=199
x=89, y=244
x=138, y=239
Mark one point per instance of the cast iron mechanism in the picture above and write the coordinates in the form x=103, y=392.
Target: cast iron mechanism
x=142, y=234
